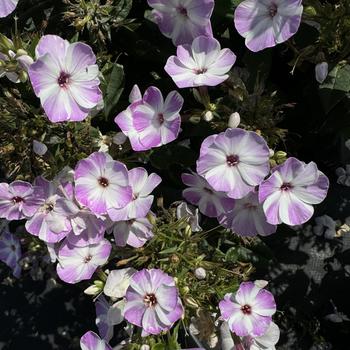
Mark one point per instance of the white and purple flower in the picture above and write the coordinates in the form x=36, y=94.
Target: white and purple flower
x=210, y=202
x=289, y=193
x=267, y=23
x=7, y=7
x=108, y=316
x=183, y=20
x=91, y=341
x=234, y=161
x=51, y=220
x=102, y=183
x=152, y=301
x=134, y=232
x=65, y=78
x=79, y=263
x=19, y=200
x=249, y=310
x=151, y=122
x=201, y=64
x=142, y=186
x=10, y=252
x=247, y=217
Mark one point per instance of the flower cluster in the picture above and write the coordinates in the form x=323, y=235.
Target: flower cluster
x=73, y=214
x=234, y=183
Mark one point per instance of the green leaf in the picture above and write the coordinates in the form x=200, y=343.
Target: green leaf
x=336, y=86
x=158, y=347
x=122, y=9
x=115, y=87
x=232, y=255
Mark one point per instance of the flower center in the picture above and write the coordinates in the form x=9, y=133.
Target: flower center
x=87, y=259
x=182, y=11
x=17, y=199
x=246, y=309
x=273, y=10
x=249, y=206
x=150, y=300
x=103, y=181
x=200, y=71
x=232, y=160
x=49, y=206
x=286, y=186
x=63, y=80
x=160, y=118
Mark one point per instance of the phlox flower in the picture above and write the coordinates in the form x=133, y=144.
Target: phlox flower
x=266, y=23
x=51, y=220
x=291, y=190
x=102, y=183
x=134, y=232
x=210, y=202
x=91, y=341
x=247, y=217
x=183, y=20
x=107, y=316
x=151, y=122
x=249, y=310
x=118, y=282
x=152, y=301
x=65, y=78
x=10, y=252
x=142, y=186
x=7, y=7
x=234, y=161
x=267, y=341
x=79, y=263
x=201, y=64
x=19, y=200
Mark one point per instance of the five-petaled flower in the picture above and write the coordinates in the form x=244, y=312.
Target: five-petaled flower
x=291, y=190
x=183, y=20
x=267, y=23
x=65, y=78
x=201, y=64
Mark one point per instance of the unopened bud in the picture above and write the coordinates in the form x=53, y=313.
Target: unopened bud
x=280, y=154
x=21, y=52
x=145, y=347
x=200, y=273
x=39, y=148
x=208, y=116
x=23, y=76
x=321, y=72
x=174, y=259
x=271, y=153
x=92, y=290
x=119, y=138
x=188, y=231
x=5, y=43
x=99, y=284
x=190, y=302
x=234, y=120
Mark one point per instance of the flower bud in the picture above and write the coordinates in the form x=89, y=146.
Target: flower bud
x=234, y=120
x=145, y=347
x=208, y=116
x=39, y=148
x=280, y=155
x=23, y=76
x=92, y=290
x=321, y=72
x=271, y=153
x=119, y=138
x=99, y=284
x=5, y=43
x=190, y=302
x=200, y=273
